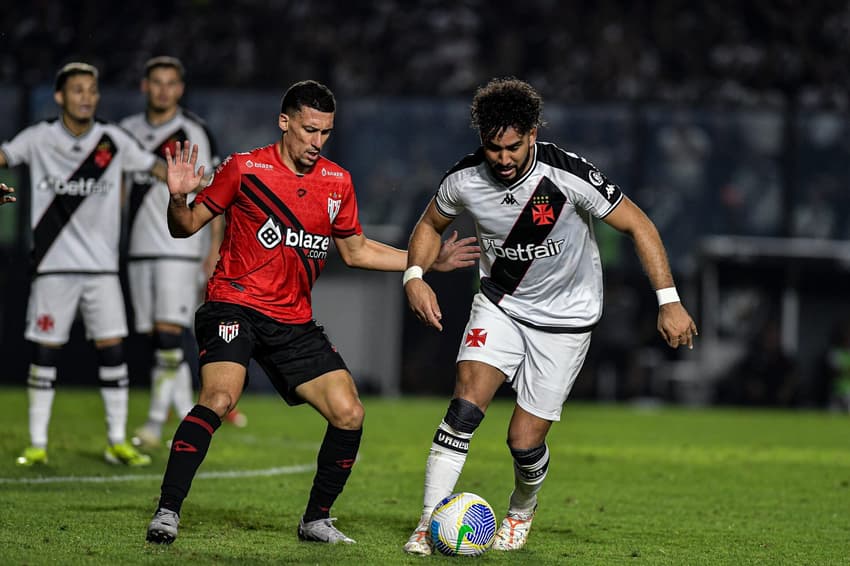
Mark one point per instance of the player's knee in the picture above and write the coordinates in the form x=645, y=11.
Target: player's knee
x=220, y=401
x=111, y=356
x=463, y=416
x=347, y=415
x=167, y=340
x=45, y=356
x=168, y=350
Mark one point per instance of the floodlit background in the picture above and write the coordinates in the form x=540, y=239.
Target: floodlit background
x=727, y=122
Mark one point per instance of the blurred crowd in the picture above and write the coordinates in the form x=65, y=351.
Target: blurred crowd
x=750, y=53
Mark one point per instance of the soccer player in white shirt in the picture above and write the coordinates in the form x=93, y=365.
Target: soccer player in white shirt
x=541, y=291
x=164, y=272
x=75, y=163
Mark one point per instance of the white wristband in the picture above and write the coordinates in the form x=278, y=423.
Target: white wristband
x=412, y=272
x=667, y=295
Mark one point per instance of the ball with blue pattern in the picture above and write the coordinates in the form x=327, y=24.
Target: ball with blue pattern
x=463, y=524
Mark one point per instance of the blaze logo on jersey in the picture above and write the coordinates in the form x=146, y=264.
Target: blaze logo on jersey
x=334, y=204
x=45, y=323
x=476, y=337
x=316, y=244
x=228, y=330
x=542, y=214
x=103, y=154
x=269, y=234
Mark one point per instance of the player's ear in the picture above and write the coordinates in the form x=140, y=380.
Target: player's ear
x=59, y=97
x=283, y=122
x=144, y=86
x=532, y=135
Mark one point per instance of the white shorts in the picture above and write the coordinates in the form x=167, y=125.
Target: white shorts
x=163, y=290
x=541, y=366
x=55, y=299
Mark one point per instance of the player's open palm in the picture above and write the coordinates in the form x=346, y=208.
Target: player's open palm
x=182, y=177
x=423, y=303
x=455, y=254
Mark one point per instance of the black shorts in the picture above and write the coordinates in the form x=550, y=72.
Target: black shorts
x=290, y=354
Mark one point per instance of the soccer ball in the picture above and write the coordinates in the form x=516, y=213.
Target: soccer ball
x=462, y=524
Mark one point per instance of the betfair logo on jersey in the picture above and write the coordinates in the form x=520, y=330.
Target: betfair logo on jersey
x=74, y=187
x=525, y=252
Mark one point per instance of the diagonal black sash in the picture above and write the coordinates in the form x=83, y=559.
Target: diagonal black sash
x=138, y=191
x=59, y=213
x=533, y=226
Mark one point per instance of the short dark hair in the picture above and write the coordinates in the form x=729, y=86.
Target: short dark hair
x=308, y=93
x=503, y=103
x=164, y=62
x=72, y=69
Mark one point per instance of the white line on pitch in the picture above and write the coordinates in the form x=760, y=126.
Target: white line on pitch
x=280, y=471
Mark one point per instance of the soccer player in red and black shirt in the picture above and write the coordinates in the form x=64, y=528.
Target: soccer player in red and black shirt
x=283, y=203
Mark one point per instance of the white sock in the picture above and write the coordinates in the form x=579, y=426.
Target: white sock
x=163, y=382
x=530, y=469
x=183, y=397
x=115, y=398
x=445, y=463
x=40, y=393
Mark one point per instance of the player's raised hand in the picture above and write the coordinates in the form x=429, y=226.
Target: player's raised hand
x=6, y=194
x=423, y=303
x=455, y=253
x=182, y=178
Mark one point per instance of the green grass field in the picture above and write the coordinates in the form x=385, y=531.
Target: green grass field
x=625, y=486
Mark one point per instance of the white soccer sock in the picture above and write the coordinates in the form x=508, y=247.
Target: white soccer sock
x=40, y=393
x=183, y=397
x=163, y=383
x=529, y=472
x=115, y=398
x=445, y=463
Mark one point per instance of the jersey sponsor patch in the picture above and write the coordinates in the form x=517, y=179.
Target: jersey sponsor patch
x=228, y=330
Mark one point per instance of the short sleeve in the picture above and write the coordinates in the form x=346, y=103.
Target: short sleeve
x=345, y=221
x=20, y=148
x=133, y=156
x=447, y=199
x=222, y=191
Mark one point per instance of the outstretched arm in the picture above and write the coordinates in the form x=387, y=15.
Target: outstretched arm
x=674, y=323
x=6, y=193
x=423, y=251
x=182, y=179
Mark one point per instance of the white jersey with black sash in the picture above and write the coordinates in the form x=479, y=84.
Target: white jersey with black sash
x=148, y=197
x=76, y=192
x=539, y=263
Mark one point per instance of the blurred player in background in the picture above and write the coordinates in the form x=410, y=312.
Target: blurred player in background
x=76, y=163
x=164, y=272
x=284, y=203
x=541, y=291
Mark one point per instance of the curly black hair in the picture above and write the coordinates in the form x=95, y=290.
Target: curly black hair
x=503, y=103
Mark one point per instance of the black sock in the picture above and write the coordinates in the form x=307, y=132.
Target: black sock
x=188, y=449
x=333, y=466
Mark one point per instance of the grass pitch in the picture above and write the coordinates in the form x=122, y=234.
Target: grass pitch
x=625, y=486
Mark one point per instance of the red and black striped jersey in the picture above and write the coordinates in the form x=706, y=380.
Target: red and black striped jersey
x=278, y=230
